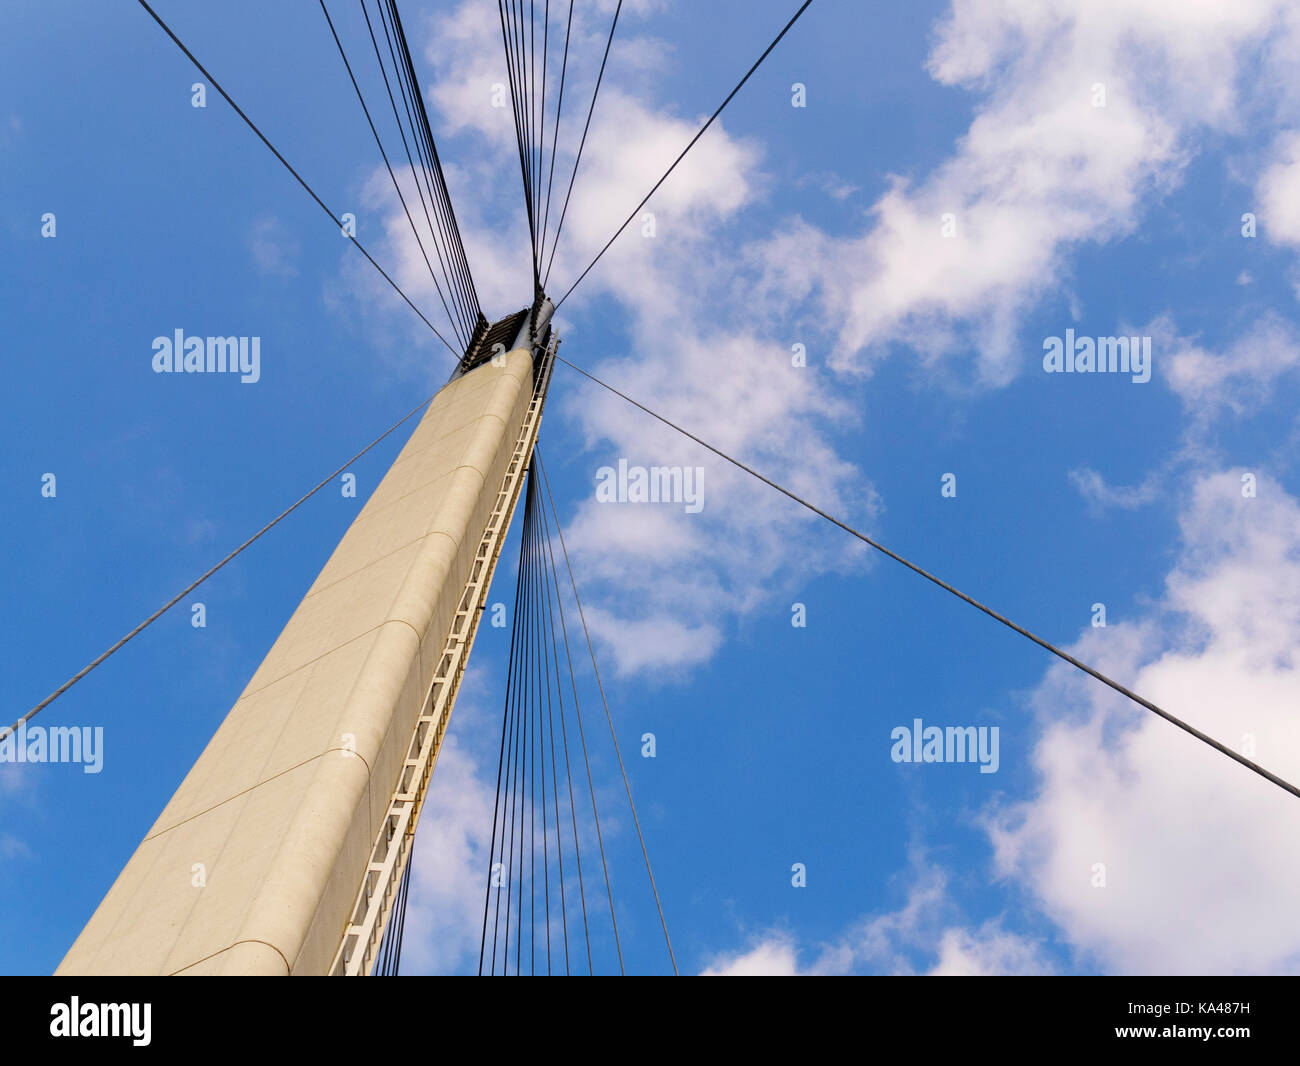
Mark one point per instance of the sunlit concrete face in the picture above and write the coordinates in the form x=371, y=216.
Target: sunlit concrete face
x=254, y=865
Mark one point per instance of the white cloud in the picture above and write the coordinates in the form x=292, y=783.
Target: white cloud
x=989, y=951
x=830, y=183
x=773, y=956
x=647, y=643
x=1278, y=192
x=12, y=777
x=13, y=849
x=445, y=908
x=1239, y=379
x=686, y=573
x=1195, y=878
x=1100, y=495
x=273, y=248
x=1040, y=171
x=925, y=933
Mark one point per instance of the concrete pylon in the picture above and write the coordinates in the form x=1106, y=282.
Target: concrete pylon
x=254, y=866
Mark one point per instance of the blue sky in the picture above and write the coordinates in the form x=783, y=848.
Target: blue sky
x=820, y=226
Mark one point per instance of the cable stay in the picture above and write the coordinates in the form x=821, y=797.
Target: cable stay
x=529, y=88
x=390, y=952
x=423, y=188
x=583, y=142
x=604, y=701
x=538, y=815
x=555, y=133
x=425, y=165
x=512, y=39
x=739, y=85
x=388, y=165
x=527, y=735
x=328, y=479
x=1077, y=663
x=296, y=176
x=435, y=180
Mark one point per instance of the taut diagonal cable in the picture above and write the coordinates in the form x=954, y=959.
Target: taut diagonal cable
x=739, y=85
x=199, y=581
x=555, y=135
x=608, y=717
x=552, y=584
x=499, y=804
x=380, y=145
x=510, y=40
x=297, y=177
x=582, y=143
x=424, y=135
x=1058, y=652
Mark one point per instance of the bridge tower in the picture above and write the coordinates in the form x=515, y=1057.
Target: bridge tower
x=283, y=848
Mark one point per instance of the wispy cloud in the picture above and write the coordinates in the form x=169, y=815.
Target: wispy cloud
x=1152, y=852
x=1084, y=116
x=274, y=248
x=925, y=935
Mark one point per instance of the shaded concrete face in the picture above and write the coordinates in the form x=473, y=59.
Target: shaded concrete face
x=255, y=863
